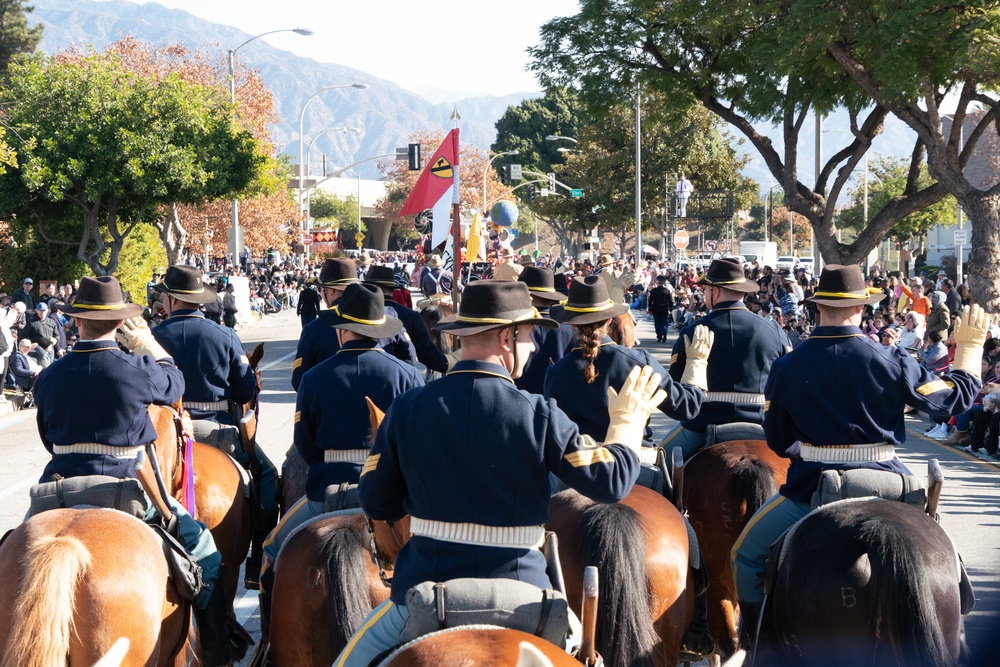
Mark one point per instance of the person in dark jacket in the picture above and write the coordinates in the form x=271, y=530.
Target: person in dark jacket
x=307, y=307
x=660, y=304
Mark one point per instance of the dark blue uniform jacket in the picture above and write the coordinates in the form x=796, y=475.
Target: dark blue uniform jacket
x=472, y=448
x=99, y=393
x=839, y=387
x=745, y=347
x=551, y=345
x=427, y=353
x=211, y=358
x=331, y=413
x=318, y=342
x=587, y=404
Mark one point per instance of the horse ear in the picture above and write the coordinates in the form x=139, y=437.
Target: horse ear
x=256, y=355
x=374, y=414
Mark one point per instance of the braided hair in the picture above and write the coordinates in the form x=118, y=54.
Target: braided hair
x=590, y=336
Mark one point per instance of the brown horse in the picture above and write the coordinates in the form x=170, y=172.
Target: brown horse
x=640, y=548
x=482, y=647
x=622, y=330
x=725, y=484
x=77, y=580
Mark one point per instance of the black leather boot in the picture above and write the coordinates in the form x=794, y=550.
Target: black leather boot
x=698, y=641
x=263, y=522
x=759, y=643
x=219, y=646
x=266, y=591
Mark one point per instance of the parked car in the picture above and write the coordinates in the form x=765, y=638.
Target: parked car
x=807, y=264
x=787, y=263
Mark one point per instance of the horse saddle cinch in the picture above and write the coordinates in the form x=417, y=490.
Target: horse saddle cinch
x=505, y=603
x=125, y=495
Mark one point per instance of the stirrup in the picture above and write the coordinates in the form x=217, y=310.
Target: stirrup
x=251, y=574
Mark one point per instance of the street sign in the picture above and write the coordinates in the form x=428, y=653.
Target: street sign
x=307, y=239
x=616, y=244
x=961, y=237
x=711, y=245
x=515, y=172
x=575, y=193
x=360, y=238
x=681, y=239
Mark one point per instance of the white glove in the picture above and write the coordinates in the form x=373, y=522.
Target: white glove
x=697, y=351
x=135, y=335
x=630, y=407
x=970, y=334
x=453, y=358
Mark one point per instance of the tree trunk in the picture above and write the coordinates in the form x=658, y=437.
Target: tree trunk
x=173, y=235
x=984, y=260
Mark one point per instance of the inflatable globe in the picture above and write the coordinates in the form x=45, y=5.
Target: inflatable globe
x=504, y=213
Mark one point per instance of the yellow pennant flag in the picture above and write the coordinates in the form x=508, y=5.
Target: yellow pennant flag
x=475, y=239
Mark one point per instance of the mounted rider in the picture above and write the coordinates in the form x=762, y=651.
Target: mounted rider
x=318, y=341
x=855, y=426
x=92, y=417
x=217, y=382
x=745, y=347
x=332, y=427
x=494, y=486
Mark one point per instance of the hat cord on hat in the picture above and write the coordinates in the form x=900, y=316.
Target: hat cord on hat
x=589, y=309
x=183, y=291
x=359, y=320
x=849, y=295
x=99, y=306
x=532, y=314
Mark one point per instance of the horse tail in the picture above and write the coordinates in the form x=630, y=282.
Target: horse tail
x=904, y=606
x=754, y=483
x=43, y=620
x=347, y=597
x=611, y=539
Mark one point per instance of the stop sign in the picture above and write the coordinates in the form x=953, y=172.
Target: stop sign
x=307, y=239
x=681, y=239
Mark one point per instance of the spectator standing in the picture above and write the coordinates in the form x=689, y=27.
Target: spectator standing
x=661, y=303
x=684, y=190
x=952, y=298
x=7, y=341
x=229, y=308
x=23, y=294
x=939, y=319
x=308, y=305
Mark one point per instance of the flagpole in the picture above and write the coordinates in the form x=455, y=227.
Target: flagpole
x=456, y=230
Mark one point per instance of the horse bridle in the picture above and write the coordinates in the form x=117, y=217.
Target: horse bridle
x=380, y=560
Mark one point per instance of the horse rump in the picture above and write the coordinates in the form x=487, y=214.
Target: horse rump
x=868, y=582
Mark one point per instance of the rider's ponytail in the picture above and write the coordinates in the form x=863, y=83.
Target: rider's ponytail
x=590, y=344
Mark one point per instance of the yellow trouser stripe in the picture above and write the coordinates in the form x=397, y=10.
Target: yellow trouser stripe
x=270, y=538
x=671, y=437
x=768, y=506
x=357, y=635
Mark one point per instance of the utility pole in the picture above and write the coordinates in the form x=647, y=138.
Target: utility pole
x=638, y=180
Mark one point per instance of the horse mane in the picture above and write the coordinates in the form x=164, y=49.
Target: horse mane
x=346, y=576
x=611, y=539
x=754, y=482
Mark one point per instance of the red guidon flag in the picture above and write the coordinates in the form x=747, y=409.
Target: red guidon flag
x=436, y=189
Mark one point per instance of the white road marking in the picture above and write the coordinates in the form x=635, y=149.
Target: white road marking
x=246, y=606
x=277, y=361
x=20, y=486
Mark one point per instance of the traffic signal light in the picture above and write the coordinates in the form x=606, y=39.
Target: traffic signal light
x=413, y=153
x=531, y=193
x=505, y=175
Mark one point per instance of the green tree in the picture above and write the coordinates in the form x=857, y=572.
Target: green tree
x=737, y=60
x=524, y=127
x=15, y=35
x=331, y=211
x=108, y=148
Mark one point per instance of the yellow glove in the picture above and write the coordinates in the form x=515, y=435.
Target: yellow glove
x=970, y=334
x=135, y=335
x=630, y=407
x=697, y=351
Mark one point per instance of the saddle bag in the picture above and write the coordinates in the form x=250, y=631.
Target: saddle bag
x=341, y=497
x=125, y=495
x=502, y=602
x=837, y=485
x=717, y=433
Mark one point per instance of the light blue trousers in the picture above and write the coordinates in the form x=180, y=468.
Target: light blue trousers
x=689, y=441
x=297, y=515
x=197, y=539
x=749, y=556
x=379, y=633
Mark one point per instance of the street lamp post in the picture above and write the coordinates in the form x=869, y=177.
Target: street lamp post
x=234, y=249
x=302, y=116
x=309, y=148
x=487, y=171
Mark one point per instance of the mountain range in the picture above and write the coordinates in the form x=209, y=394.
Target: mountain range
x=386, y=114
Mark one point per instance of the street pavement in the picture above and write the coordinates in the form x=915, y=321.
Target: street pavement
x=970, y=503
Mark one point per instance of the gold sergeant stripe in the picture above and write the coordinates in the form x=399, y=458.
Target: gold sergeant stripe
x=673, y=359
x=296, y=363
x=298, y=416
x=767, y=405
x=586, y=457
x=370, y=463
x=936, y=385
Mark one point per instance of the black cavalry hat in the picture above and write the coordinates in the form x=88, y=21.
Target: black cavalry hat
x=186, y=283
x=588, y=303
x=101, y=299
x=493, y=304
x=541, y=283
x=361, y=309
x=841, y=285
x=338, y=272
x=727, y=273
x=382, y=276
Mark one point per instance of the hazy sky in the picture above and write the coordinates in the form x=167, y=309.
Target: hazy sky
x=467, y=46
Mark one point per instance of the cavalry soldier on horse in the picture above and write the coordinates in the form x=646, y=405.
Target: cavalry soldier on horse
x=857, y=425
x=92, y=417
x=217, y=381
x=551, y=345
x=477, y=484
x=332, y=427
x=745, y=347
x=318, y=341
x=427, y=354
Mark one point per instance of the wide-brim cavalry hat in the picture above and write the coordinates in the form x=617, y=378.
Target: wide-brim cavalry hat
x=435, y=262
x=186, y=283
x=541, y=283
x=101, y=299
x=362, y=310
x=382, y=276
x=605, y=260
x=844, y=286
x=338, y=273
x=588, y=303
x=493, y=304
x=727, y=273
